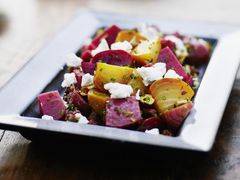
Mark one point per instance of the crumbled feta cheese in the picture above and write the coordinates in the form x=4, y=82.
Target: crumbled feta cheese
x=172, y=74
x=87, y=80
x=103, y=46
x=118, y=90
x=138, y=95
x=72, y=60
x=125, y=45
x=69, y=79
x=194, y=40
x=81, y=119
x=153, y=131
x=181, y=50
x=196, y=82
x=148, y=32
x=150, y=74
x=47, y=117
x=143, y=47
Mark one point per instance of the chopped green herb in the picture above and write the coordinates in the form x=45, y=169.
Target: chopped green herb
x=113, y=79
x=147, y=99
x=133, y=119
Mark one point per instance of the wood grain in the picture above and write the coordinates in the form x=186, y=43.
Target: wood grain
x=31, y=24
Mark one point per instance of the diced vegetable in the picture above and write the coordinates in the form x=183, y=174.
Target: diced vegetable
x=106, y=73
x=199, y=54
x=78, y=75
x=169, y=92
x=167, y=56
x=146, y=52
x=175, y=117
x=88, y=67
x=114, y=57
x=75, y=99
x=109, y=34
x=136, y=82
x=131, y=36
x=168, y=43
x=150, y=123
x=123, y=113
x=86, y=55
x=97, y=101
x=51, y=104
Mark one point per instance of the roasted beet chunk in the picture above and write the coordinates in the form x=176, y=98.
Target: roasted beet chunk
x=78, y=75
x=123, y=113
x=88, y=67
x=175, y=117
x=198, y=54
x=109, y=34
x=51, y=104
x=150, y=123
x=76, y=99
x=168, y=43
x=167, y=56
x=114, y=57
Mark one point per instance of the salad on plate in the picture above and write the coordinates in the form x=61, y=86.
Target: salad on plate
x=140, y=79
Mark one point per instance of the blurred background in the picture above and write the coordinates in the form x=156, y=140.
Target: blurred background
x=26, y=25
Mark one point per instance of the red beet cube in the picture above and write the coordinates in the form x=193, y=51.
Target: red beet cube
x=167, y=56
x=51, y=104
x=123, y=113
x=176, y=116
x=114, y=57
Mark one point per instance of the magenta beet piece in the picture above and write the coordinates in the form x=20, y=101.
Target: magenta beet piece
x=168, y=43
x=150, y=123
x=167, y=56
x=78, y=75
x=114, y=57
x=51, y=104
x=86, y=55
x=88, y=67
x=79, y=102
x=175, y=117
x=123, y=113
x=109, y=34
x=198, y=54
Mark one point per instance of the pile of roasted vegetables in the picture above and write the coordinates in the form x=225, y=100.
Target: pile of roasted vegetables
x=139, y=79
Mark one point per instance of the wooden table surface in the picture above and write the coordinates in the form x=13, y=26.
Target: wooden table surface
x=32, y=23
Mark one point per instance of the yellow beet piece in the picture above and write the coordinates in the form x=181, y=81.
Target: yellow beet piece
x=97, y=101
x=147, y=52
x=131, y=36
x=169, y=92
x=136, y=82
x=106, y=73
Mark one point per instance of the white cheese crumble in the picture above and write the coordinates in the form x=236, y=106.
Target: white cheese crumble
x=138, y=95
x=172, y=74
x=81, y=119
x=118, y=90
x=199, y=41
x=150, y=74
x=87, y=80
x=125, y=45
x=103, y=46
x=69, y=79
x=143, y=47
x=72, y=60
x=153, y=131
x=147, y=31
x=47, y=117
x=181, y=50
x=196, y=82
